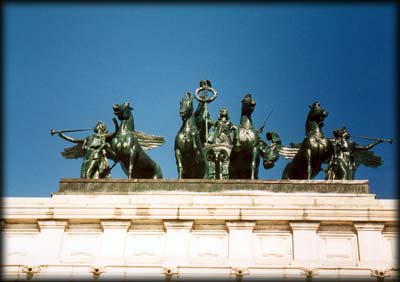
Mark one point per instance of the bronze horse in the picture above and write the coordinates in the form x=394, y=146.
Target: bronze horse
x=189, y=153
x=245, y=157
x=314, y=150
x=126, y=149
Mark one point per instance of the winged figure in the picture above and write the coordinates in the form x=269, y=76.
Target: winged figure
x=93, y=150
x=348, y=156
x=96, y=149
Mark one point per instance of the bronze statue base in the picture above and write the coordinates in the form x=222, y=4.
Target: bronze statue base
x=127, y=186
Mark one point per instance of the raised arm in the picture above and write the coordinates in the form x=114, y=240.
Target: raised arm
x=63, y=136
x=369, y=146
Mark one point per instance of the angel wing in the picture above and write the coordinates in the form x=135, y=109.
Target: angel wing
x=147, y=141
x=288, y=152
x=367, y=158
x=74, y=152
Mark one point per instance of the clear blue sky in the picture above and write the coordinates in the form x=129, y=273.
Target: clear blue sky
x=66, y=65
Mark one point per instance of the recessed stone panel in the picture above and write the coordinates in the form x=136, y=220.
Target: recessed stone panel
x=208, y=247
x=81, y=246
x=273, y=248
x=18, y=247
x=144, y=247
x=338, y=249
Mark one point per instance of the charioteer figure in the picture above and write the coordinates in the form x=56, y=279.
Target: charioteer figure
x=223, y=129
x=348, y=155
x=219, y=145
x=93, y=150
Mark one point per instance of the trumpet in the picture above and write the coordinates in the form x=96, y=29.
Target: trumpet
x=52, y=132
x=373, y=138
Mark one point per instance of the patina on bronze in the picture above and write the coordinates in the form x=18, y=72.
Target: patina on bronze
x=314, y=150
x=270, y=153
x=348, y=155
x=189, y=152
x=244, y=157
x=229, y=152
x=390, y=140
x=93, y=149
x=202, y=116
x=219, y=146
x=127, y=150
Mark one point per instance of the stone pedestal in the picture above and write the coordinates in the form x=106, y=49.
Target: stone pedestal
x=179, y=229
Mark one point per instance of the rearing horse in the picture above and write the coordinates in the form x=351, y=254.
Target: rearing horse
x=189, y=153
x=314, y=150
x=245, y=158
x=127, y=150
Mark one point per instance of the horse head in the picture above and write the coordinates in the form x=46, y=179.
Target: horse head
x=186, y=107
x=123, y=111
x=317, y=113
x=248, y=105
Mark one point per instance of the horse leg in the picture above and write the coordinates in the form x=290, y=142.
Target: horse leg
x=236, y=140
x=195, y=148
x=158, y=173
x=253, y=166
x=132, y=156
x=285, y=173
x=178, y=157
x=309, y=167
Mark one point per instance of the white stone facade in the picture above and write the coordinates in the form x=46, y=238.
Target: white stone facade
x=178, y=235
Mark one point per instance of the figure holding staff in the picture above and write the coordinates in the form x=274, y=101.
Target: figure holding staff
x=201, y=95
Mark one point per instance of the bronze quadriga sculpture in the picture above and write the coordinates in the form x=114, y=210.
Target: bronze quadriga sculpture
x=229, y=152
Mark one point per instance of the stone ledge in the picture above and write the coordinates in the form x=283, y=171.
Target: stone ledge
x=126, y=186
